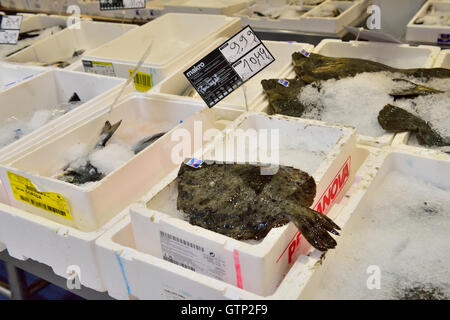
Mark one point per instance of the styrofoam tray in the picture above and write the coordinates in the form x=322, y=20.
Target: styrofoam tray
x=404, y=138
x=177, y=84
x=28, y=236
x=263, y=264
x=307, y=22
x=12, y=74
x=131, y=273
x=395, y=55
x=61, y=46
x=225, y=7
x=93, y=205
x=429, y=168
x=50, y=89
x=428, y=33
x=176, y=39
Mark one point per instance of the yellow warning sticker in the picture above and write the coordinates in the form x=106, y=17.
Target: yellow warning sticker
x=24, y=190
x=142, y=81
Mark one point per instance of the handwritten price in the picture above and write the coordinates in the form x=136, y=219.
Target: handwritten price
x=253, y=62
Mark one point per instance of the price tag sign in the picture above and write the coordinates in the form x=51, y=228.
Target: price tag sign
x=121, y=4
x=230, y=65
x=10, y=29
x=10, y=22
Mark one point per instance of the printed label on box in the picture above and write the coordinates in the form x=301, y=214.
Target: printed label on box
x=142, y=81
x=192, y=256
x=97, y=67
x=25, y=191
x=121, y=4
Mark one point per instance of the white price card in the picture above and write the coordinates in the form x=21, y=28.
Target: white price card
x=122, y=4
x=11, y=22
x=9, y=36
x=253, y=62
x=239, y=45
x=224, y=69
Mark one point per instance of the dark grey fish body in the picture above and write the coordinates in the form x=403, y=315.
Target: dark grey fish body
x=144, y=143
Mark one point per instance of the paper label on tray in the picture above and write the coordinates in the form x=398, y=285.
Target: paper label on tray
x=142, y=81
x=227, y=67
x=97, y=67
x=25, y=191
x=121, y=4
x=192, y=256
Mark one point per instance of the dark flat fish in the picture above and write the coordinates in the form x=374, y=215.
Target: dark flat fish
x=87, y=172
x=396, y=119
x=237, y=201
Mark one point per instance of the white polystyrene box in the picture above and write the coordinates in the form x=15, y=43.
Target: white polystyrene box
x=418, y=163
x=428, y=33
x=61, y=46
x=177, y=84
x=352, y=11
x=264, y=263
x=39, y=21
x=93, y=205
x=131, y=273
x=443, y=60
x=13, y=4
x=401, y=56
x=225, y=7
x=175, y=39
x=13, y=74
x=49, y=89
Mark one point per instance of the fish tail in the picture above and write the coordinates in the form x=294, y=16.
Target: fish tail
x=315, y=227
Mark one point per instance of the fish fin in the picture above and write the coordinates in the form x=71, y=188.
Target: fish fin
x=315, y=227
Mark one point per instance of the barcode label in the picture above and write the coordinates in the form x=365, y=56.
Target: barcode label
x=142, y=81
x=121, y=4
x=43, y=206
x=182, y=241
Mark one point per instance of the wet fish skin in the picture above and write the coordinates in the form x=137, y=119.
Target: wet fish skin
x=396, y=119
x=317, y=67
x=284, y=100
x=237, y=201
x=144, y=143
